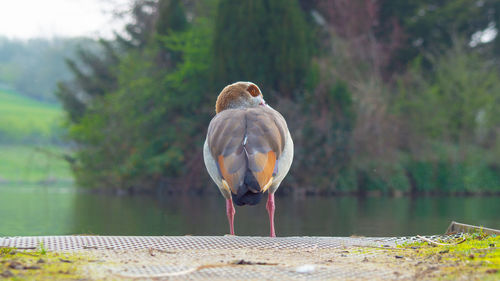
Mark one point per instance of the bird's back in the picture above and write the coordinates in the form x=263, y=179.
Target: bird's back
x=246, y=145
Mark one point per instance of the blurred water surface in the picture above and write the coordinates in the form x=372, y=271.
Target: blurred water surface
x=35, y=210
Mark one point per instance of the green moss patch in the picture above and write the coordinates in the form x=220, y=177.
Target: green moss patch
x=474, y=256
x=18, y=264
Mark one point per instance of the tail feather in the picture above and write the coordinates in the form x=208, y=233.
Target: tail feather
x=249, y=192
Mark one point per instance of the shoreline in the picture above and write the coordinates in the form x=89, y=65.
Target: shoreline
x=282, y=192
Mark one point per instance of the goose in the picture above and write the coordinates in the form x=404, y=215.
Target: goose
x=248, y=149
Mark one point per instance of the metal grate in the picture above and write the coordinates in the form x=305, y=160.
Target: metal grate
x=188, y=252
x=69, y=243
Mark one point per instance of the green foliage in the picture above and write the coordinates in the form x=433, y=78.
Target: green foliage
x=141, y=27
x=41, y=249
x=445, y=177
x=429, y=25
x=138, y=108
x=322, y=136
x=94, y=76
x=480, y=176
x=173, y=17
x=421, y=175
x=451, y=111
x=157, y=116
x=266, y=42
x=464, y=87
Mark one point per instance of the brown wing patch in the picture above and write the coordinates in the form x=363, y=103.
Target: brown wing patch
x=225, y=174
x=267, y=162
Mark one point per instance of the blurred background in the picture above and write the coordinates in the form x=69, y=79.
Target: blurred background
x=394, y=108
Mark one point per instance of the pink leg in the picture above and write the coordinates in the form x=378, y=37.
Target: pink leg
x=230, y=214
x=270, y=210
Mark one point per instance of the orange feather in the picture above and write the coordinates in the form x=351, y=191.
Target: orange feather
x=225, y=174
x=267, y=162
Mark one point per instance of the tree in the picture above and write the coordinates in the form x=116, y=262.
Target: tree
x=94, y=77
x=399, y=31
x=146, y=130
x=262, y=41
x=463, y=86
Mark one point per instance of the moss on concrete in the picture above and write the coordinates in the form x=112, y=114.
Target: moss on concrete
x=16, y=264
x=473, y=257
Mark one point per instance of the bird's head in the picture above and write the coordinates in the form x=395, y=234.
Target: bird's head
x=239, y=95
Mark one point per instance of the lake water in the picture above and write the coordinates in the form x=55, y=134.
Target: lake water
x=36, y=210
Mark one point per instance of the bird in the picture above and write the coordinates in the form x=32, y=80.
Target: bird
x=248, y=149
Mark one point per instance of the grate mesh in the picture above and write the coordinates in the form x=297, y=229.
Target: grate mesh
x=177, y=254
x=69, y=243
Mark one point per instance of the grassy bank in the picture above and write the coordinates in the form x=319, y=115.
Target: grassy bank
x=29, y=130
x=33, y=164
x=26, y=120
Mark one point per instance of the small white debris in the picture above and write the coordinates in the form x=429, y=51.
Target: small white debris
x=318, y=18
x=306, y=268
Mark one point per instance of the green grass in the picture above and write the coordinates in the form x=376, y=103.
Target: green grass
x=23, y=163
x=22, y=118
x=27, y=126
